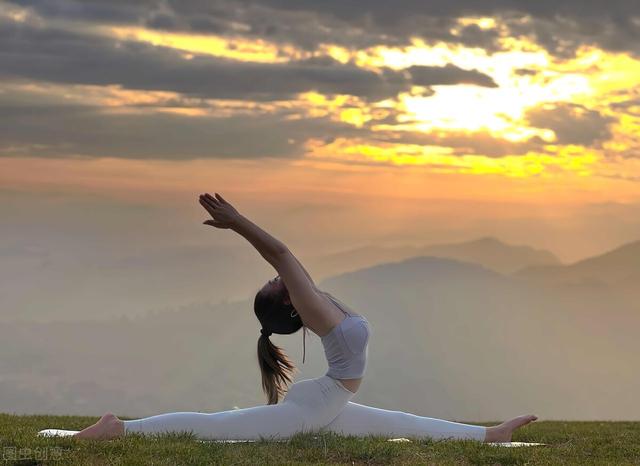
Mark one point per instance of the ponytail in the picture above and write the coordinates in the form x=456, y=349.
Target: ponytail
x=275, y=367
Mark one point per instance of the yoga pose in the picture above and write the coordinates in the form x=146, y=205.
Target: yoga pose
x=284, y=305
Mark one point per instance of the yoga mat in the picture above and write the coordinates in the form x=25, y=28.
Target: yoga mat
x=57, y=433
x=515, y=444
x=495, y=444
x=68, y=433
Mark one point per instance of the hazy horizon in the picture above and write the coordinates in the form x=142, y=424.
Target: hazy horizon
x=379, y=144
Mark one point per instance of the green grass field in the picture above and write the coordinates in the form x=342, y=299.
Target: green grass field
x=612, y=443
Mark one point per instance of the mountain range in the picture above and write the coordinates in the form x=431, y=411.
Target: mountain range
x=619, y=268
x=450, y=339
x=487, y=251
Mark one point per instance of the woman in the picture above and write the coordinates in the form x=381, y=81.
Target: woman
x=284, y=305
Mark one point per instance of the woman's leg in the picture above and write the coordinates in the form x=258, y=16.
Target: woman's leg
x=357, y=419
x=309, y=405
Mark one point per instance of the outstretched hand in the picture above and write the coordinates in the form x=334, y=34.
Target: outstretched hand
x=224, y=214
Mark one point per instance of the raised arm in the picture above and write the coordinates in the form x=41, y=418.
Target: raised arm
x=306, y=273
x=313, y=308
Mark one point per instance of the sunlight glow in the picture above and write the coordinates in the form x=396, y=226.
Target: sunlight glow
x=559, y=160
x=237, y=48
x=527, y=78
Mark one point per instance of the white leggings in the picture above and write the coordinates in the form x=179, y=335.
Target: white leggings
x=309, y=405
x=361, y=420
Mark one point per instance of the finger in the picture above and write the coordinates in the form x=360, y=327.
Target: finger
x=209, y=208
x=212, y=199
x=213, y=223
x=221, y=199
x=213, y=203
x=208, y=197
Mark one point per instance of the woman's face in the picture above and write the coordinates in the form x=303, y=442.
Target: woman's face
x=276, y=286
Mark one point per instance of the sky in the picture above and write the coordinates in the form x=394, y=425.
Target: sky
x=334, y=124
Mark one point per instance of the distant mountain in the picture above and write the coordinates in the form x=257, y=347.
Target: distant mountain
x=493, y=254
x=449, y=339
x=619, y=268
x=72, y=284
x=488, y=252
x=475, y=344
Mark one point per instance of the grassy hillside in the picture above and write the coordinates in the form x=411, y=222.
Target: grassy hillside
x=581, y=443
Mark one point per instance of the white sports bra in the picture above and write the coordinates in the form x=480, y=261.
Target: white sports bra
x=346, y=345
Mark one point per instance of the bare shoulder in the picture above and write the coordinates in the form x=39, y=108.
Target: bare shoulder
x=341, y=304
x=333, y=314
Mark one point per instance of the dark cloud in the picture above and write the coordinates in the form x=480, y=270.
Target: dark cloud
x=562, y=36
x=382, y=12
x=52, y=129
x=121, y=12
x=572, y=123
x=449, y=74
x=67, y=57
x=473, y=35
x=62, y=130
x=561, y=27
x=629, y=104
x=525, y=72
x=46, y=128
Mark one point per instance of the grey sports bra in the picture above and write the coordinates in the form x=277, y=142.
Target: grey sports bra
x=346, y=345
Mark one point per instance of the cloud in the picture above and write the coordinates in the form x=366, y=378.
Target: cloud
x=449, y=74
x=572, y=123
x=35, y=52
x=67, y=130
x=114, y=11
x=562, y=35
x=561, y=27
x=630, y=104
x=462, y=142
x=68, y=57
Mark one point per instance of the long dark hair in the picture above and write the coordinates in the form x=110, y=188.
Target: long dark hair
x=276, y=368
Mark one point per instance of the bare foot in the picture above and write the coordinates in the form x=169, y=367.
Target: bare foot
x=108, y=427
x=502, y=432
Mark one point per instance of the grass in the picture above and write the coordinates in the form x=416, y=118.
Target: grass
x=583, y=443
